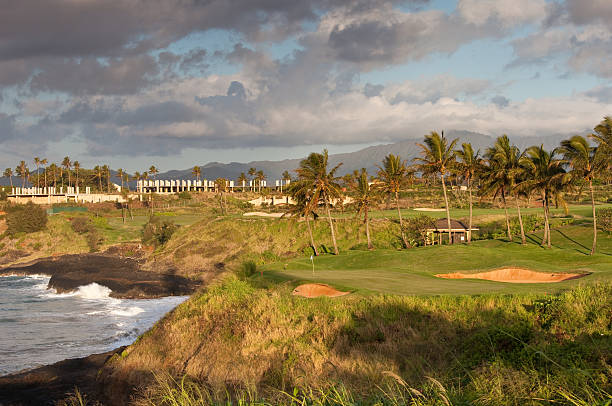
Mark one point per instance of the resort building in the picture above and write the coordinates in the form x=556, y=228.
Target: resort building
x=439, y=233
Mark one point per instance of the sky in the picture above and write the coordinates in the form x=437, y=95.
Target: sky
x=178, y=83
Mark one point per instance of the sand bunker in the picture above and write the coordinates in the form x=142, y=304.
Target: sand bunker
x=316, y=290
x=515, y=275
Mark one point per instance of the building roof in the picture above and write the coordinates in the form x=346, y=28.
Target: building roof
x=456, y=225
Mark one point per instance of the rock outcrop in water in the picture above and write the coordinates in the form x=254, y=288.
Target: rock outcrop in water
x=122, y=275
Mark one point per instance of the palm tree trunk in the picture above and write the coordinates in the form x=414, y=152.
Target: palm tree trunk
x=11, y=180
x=331, y=226
x=37, y=177
x=594, y=218
x=367, y=224
x=312, y=242
x=507, y=218
x=544, y=206
x=518, y=209
x=45, y=177
x=469, y=236
x=448, y=220
x=399, y=214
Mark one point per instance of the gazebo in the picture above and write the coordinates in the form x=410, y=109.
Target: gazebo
x=459, y=232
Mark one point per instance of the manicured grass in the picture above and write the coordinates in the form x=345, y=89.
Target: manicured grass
x=411, y=272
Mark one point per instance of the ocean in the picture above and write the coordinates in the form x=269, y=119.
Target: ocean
x=39, y=326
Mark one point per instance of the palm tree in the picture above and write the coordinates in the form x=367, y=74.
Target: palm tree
x=106, y=170
x=120, y=173
x=501, y=175
x=544, y=174
x=586, y=163
x=252, y=172
x=315, y=181
x=23, y=172
x=137, y=176
x=260, y=176
x=44, y=162
x=197, y=172
x=8, y=173
x=393, y=176
x=303, y=207
x=98, y=174
x=286, y=177
x=221, y=185
x=53, y=168
x=603, y=134
x=127, y=182
x=242, y=180
x=153, y=171
x=469, y=167
x=365, y=198
x=67, y=164
x=77, y=166
x=438, y=157
x=37, y=163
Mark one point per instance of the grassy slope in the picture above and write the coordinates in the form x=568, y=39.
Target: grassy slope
x=412, y=271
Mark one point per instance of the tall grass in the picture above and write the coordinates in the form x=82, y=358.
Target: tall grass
x=240, y=343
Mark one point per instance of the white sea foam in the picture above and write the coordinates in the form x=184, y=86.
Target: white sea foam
x=129, y=312
x=93, y=291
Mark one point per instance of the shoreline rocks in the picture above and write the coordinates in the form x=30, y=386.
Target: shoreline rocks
x=121, y=275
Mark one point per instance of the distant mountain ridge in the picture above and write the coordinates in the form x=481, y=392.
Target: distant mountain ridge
x=368, y=157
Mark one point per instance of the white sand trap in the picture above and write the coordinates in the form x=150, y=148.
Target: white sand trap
x=427, y=209
x=262, y=214
x=515, y=275
x=316, y=290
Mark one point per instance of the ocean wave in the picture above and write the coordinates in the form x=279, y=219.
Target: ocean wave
x=129, y=312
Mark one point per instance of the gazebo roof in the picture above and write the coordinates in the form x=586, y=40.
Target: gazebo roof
x=456, y=225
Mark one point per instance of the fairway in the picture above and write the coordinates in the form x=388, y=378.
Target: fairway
x=411, y=272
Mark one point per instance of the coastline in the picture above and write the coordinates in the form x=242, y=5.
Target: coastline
x=51, y=383
x=121, y=275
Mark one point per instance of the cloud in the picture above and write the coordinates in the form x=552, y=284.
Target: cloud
x=505, y=12
x=500, y=101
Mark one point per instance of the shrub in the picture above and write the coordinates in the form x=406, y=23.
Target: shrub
x=3, y=194
x=246, y=269
x=27, y=218
x=604, y=219
x=185, y=195
x=84, y=226
x=416, y=229
x=157, y=231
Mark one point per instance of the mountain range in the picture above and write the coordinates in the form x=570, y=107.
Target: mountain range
x=367, y=158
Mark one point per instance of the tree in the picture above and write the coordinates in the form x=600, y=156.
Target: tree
x=67, y=164
x=99, y=175
x=8, y=173
x=252, y=172
x=37, y=163
x=321, y=185
x=303, y=207
x=365, y=198
x=107, y=174
x=242, y=180
x=77, y=166
x=153, y=171
x=603, y=134
x=23, y=172
x=197, y=172
x=285, y=177
x=586, y=163
x=260, y=176
x=221, y=186
x=437, y=158
x=545, y=174
x=120, y=173
x=392, y=174
x=44, y=162
x=501, y=175
x=137, y=176
x=468, y=167
x=53, y=168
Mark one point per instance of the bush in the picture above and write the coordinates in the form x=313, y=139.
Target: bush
x=416, y=228
x=84, y=226
x=27, y=218
x=185, y=195
x=3, y=194
x=157, y=231
x=246, y=270
x=604, y=219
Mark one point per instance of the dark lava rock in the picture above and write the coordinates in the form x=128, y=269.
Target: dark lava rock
x=121, y=275
x=52, y=383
